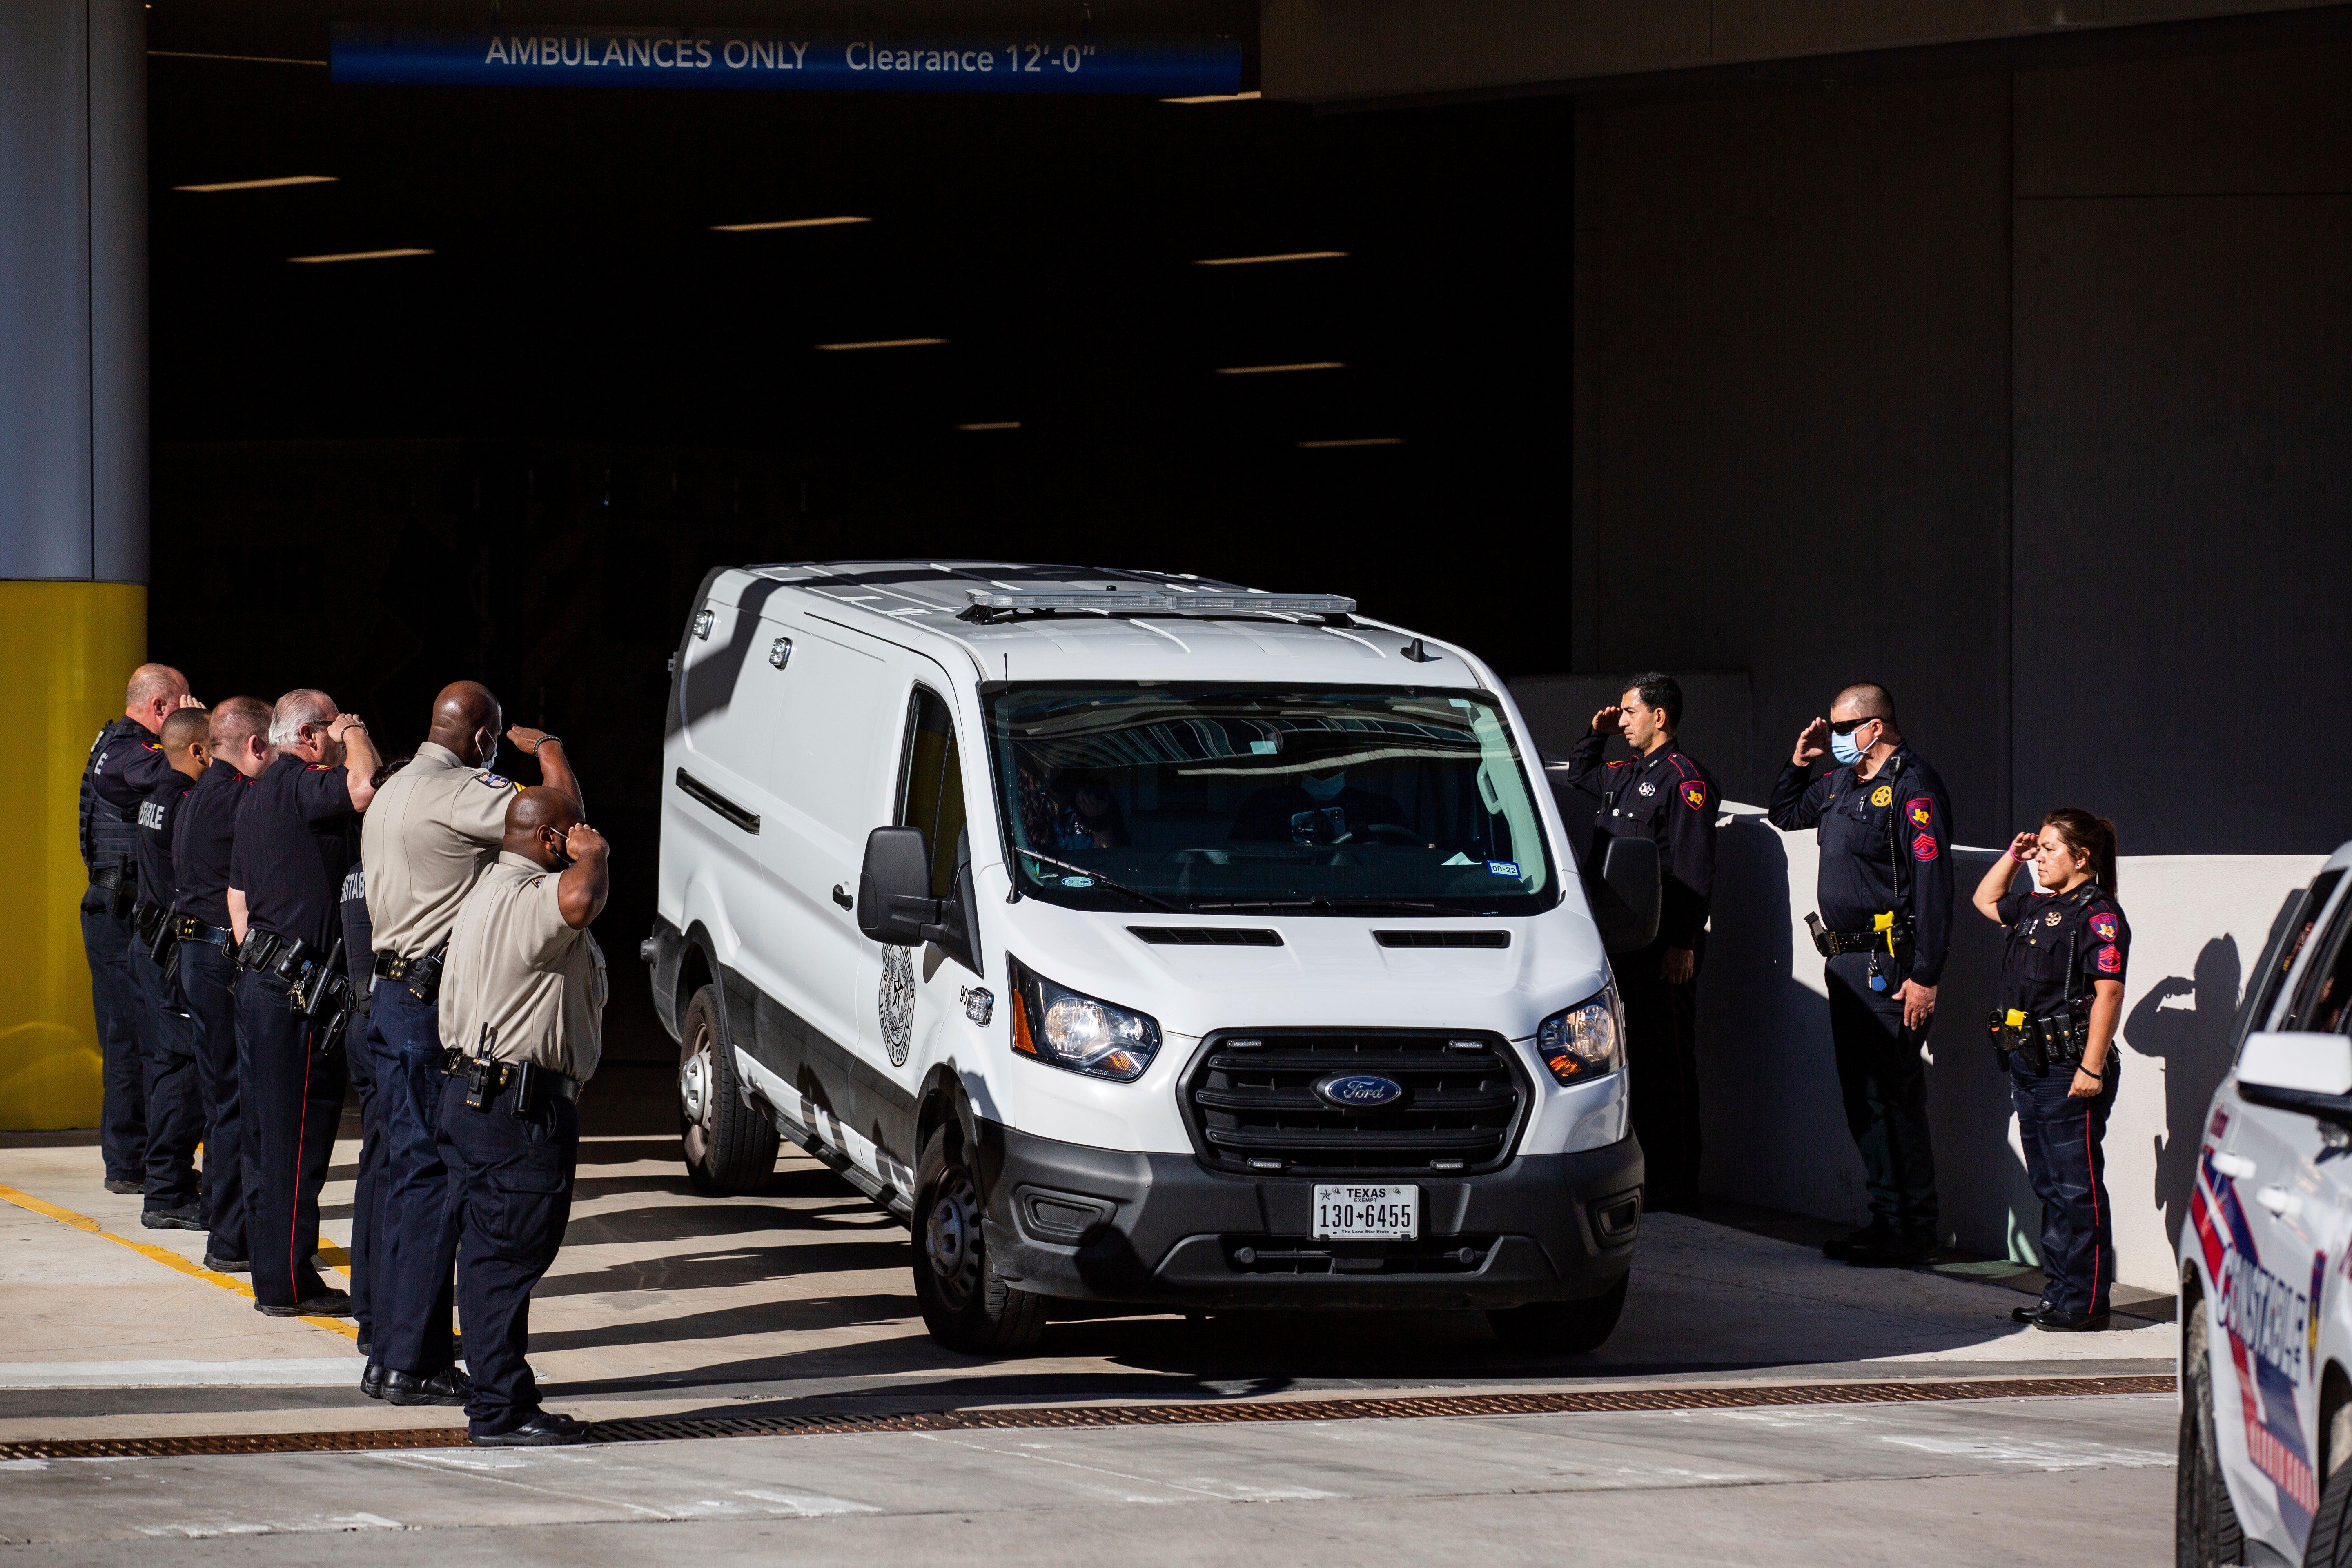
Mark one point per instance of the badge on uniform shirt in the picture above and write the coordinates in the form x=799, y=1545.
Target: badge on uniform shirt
x=1923, y=848
x=493, y=780
x=1883, y=795
x=2111, y=961
x=1694, y=793
x=2050, y=919
x=1921, y=810
x=2104, y=927
x=1649, y=788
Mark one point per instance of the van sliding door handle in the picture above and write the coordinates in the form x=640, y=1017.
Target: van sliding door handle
x=841, y=896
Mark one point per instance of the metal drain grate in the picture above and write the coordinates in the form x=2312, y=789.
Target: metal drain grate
x=658, y=1429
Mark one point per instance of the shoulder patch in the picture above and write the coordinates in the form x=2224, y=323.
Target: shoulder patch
x=1883, y=795
x=2104, y=926
x=1694, y=793
x=1618, y=764
x=1921, y=810
x=2110, y=960
x=496, y=781
x=1923, y=848
x=155, y=745
x=322, y=767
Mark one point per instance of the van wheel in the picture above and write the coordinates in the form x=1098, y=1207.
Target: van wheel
x=965, y=1305
x=1561, y=1328
x=2205, y=1526
x=729, y=1147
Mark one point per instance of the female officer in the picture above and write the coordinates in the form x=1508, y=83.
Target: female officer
x=2062, y=995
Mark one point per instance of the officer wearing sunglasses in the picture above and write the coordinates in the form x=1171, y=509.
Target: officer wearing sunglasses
x=1884, y=926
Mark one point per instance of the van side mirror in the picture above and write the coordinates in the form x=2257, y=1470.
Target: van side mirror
x=894, y=896
x=2307, y=1073
x=1625, y=895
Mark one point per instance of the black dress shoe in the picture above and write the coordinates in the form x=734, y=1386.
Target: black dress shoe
x=366, y=1346
x=371, y=1379
x=2028, y=1314
x=1837, y=1247
x=220, y=1264
x=326, y=1304
x=450, y=1387
x=543, y=1430
x=183, y=1219
x=1892, y=1252
x=119, y=1185
x=2059, y=1322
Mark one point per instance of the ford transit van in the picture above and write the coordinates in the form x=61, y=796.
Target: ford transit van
x=1144, y=940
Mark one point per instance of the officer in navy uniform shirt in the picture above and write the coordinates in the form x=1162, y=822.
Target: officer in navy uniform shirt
x=203, y=836
x=1662, y=794
x=1885, y=893
x=175, y=1112
x=296, y=835
x=126, y=760
x=2068, y=946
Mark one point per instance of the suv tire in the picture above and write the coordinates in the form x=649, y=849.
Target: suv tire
x=1561, y=1328
x=729, y=1147
x=966, y=1306
x=2205, y=1531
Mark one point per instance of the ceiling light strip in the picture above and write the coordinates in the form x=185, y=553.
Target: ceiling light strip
x=262, y=184
x=881, y=344
x=1286, y=256
x=1272, y=369
x=362, y=255
x=785, y=223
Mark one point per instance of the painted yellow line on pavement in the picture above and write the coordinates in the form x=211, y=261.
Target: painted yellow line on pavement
x=170, y=1259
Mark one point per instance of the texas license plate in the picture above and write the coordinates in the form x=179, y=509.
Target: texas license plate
x=1367, y=1214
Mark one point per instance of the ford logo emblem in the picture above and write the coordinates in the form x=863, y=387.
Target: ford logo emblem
x=1358, y=1091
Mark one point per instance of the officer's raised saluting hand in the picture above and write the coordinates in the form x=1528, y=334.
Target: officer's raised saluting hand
x=1604, y=722
x=1812, y=744
x=2023, y=846
x=188, y=700
x=530, y=740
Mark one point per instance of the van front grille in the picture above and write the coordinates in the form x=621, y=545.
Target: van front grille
x=1251, y=1105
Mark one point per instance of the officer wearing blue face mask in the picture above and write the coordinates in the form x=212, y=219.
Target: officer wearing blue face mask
x=1884, y=925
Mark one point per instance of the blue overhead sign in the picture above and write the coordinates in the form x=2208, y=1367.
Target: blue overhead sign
x=1012, y=61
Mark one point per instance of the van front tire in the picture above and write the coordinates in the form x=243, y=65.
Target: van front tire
x=729, y=1147
x=2205, y=1529
x=965, y=1305
x=1561, y=1328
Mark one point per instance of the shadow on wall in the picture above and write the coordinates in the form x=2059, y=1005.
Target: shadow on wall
x=2187, y=1024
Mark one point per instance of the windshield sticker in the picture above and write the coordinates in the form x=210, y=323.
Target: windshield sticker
x=1457, y=858
x=1502, y=868
x=1077, y=881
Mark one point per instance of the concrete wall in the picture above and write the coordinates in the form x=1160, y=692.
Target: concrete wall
x=2023, y=383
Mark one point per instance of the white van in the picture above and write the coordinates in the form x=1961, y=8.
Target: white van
x=2265, y=1470
x=1140, y=939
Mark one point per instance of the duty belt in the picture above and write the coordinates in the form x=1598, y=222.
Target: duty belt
x=1894, y=938
x=121, y=879
x=485, y=1080
x=421, y=974
x=284, y=956
x=2051, y=1039
x=188, y=928
x=148, y=922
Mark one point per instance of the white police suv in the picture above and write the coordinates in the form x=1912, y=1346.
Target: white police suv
x=2266, y=1263
x=1140, y=939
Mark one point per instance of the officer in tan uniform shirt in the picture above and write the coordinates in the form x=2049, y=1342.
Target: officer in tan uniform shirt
x=523, y=1003
x=428, y=836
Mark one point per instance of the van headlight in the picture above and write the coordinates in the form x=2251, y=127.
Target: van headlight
x=1582, y=1042
x=1070, y=1029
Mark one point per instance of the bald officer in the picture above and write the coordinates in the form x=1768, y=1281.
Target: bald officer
x=428, y=838
x=523, y=1002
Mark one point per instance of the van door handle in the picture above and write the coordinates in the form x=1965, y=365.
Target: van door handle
x=2237, y=1167
x=841, y=896
x=2279, y=1201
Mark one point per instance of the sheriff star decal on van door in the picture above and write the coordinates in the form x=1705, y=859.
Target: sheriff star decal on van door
x=896, y=1002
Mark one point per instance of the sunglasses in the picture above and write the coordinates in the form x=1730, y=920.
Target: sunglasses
x=1848, y=726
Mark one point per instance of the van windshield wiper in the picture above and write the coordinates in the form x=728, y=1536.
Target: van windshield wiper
x=1352, y=905
x=1116, y=887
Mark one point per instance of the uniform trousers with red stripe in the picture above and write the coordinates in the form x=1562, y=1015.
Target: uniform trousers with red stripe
x=2066, y=1156
x=292, y=1099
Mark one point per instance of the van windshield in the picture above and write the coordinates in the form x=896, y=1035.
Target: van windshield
x=1215, y=799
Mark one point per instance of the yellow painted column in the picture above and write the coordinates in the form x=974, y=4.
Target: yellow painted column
x=66, y=651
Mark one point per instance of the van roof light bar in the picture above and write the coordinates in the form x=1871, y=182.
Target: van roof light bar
x=987, y=604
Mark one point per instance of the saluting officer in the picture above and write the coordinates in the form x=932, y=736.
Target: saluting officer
x=203, y=838
x=175, y=1092
x=426, y=840
x=1660, y=793
x=296, y=837
x=2061, y=982
x=126, y=760
x=360, y=1054
x=1884, y=925
x=524, y=1004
